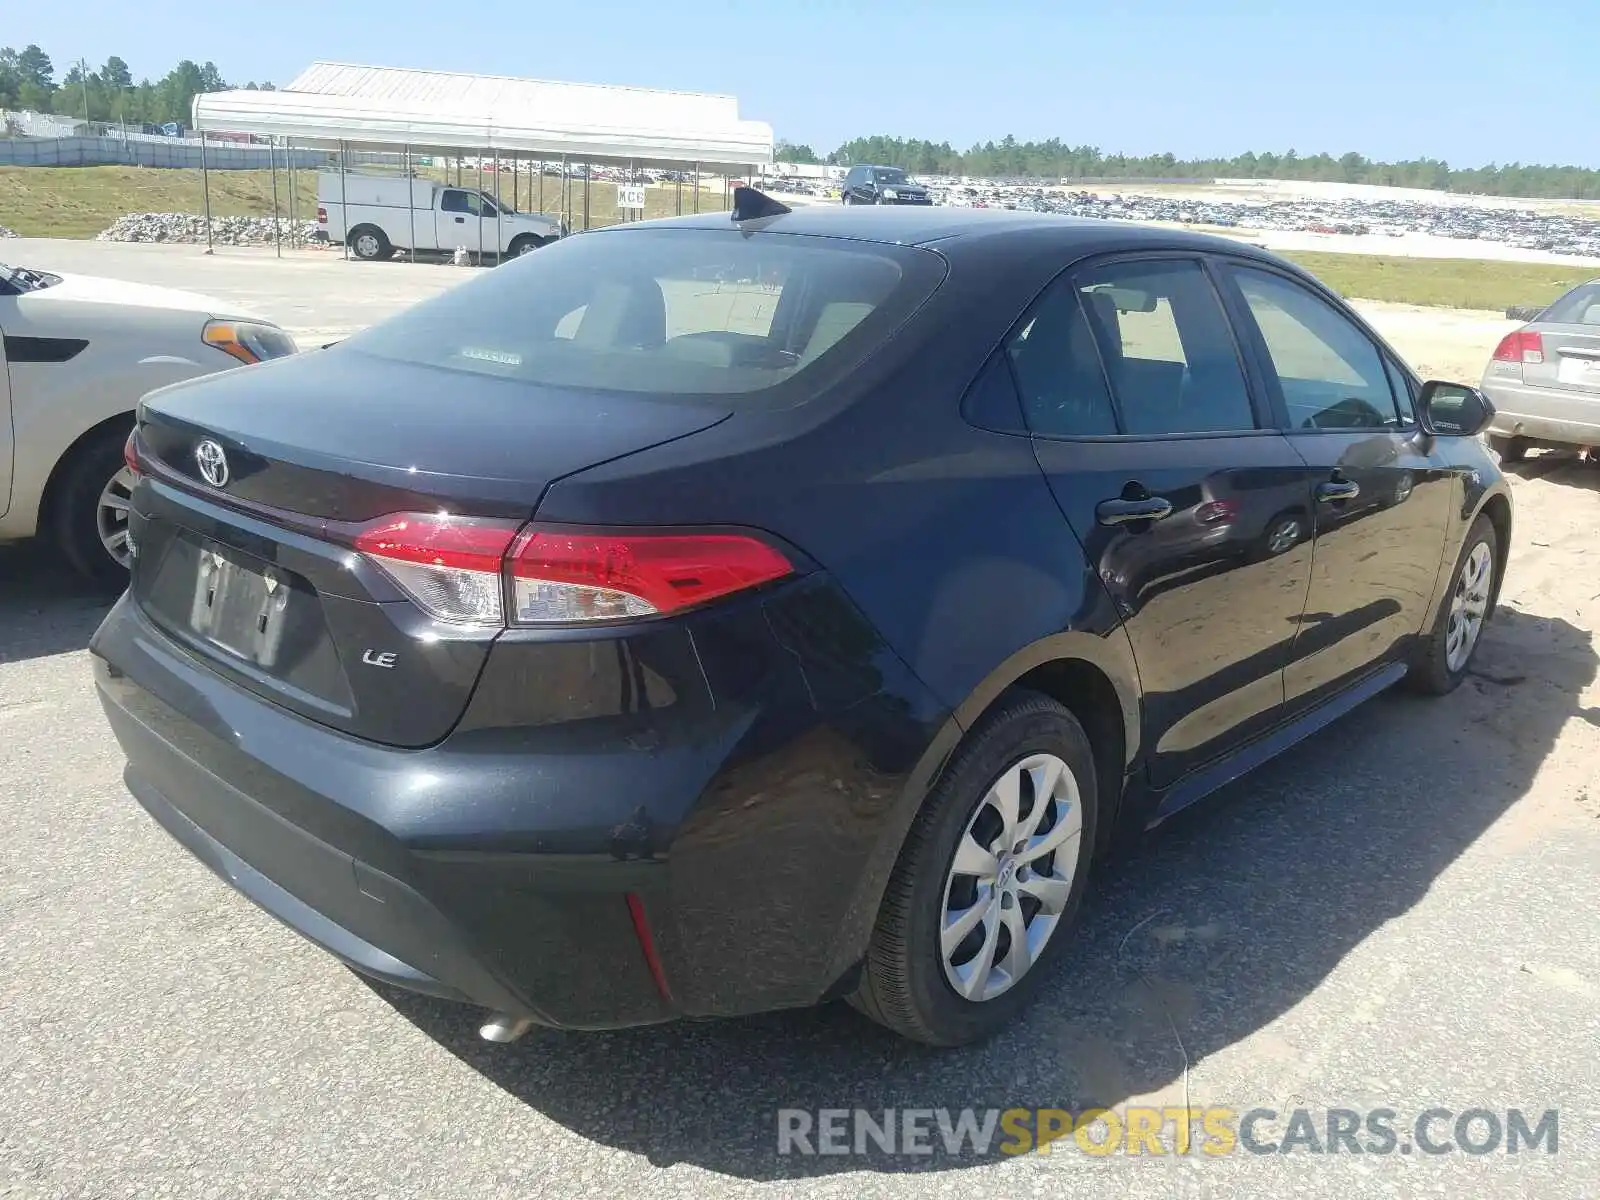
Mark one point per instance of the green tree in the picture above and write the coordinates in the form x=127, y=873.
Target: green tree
x=784, y=151
x=116, y=74
x=34, y=65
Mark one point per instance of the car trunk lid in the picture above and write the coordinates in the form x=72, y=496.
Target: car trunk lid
x=1571, y=358
x=259, y=481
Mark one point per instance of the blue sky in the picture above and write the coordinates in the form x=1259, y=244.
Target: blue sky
x=1471, y=81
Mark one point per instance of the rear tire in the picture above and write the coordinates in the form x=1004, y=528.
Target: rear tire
x=1444, y=657
x=1509, y=449
x=84, y=520
x=912, y=970
x=369, y=243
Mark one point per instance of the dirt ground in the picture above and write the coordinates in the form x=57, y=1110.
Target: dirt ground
x=1536, y=668
x=1439, y=343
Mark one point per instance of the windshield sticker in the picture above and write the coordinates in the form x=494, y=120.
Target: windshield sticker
x=502, y=357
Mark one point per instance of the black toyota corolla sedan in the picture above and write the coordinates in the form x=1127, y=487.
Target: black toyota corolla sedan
x=719, y=615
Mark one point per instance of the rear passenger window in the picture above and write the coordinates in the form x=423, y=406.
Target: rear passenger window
x=1331, y=374
x=1058, y=372
x=1167, y=348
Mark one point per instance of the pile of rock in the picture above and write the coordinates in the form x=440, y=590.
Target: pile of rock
x=5, y=233
x=189, y=229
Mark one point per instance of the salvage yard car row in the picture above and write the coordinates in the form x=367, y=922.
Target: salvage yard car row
x=1524, y=228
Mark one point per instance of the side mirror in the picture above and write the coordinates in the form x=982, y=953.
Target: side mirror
x=1453, y=409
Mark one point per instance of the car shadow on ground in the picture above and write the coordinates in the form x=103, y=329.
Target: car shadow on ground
x=1558, y=466
x=44, y=608
x=1216, y=925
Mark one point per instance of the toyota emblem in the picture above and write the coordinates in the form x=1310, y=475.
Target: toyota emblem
x=213, y=463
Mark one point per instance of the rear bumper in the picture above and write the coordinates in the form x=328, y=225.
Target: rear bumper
x=404, y=921
x=319, y=830
x=1543, y=414
x=497, y=867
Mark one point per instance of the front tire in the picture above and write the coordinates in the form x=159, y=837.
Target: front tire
x=89, y=509
x=1445, y=656
x=526, y=244
x=989, y=880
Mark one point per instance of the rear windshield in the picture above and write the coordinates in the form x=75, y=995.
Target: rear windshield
x=678, y=312
x=1580, y=306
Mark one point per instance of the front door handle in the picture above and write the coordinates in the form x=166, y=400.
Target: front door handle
x=1122, y=510
x=1336, y=491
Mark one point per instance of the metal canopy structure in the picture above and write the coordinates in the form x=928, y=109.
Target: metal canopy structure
x=334, y=104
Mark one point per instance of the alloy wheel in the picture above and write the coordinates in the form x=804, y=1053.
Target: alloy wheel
x=1284, y=536
x=1468, y=605
x=1011, y=877
x=111, y=515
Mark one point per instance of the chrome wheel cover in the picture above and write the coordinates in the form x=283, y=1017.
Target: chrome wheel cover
x=367, y=246
x=1468, y=605
x=1012, y=874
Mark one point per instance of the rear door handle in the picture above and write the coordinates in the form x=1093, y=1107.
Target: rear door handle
x=1123, y=511
x=461, y=220
x=1336, y=490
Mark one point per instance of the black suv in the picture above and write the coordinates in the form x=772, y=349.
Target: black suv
x=881, y=185
x=658, y=650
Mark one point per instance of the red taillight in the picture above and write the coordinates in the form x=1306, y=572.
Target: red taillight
x=1520, y=346
x=558, y=577
x=448, y=565
x=1215, y=512
x=461, y=568
x=130, y=452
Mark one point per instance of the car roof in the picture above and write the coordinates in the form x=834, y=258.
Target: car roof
x=916, y=225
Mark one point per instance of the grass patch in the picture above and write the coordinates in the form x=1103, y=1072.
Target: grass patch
x=79, y=202
x=1443, y=282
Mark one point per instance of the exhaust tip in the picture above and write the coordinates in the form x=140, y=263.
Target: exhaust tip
x=502, y=1027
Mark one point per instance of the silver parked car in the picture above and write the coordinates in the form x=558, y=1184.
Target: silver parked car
x=1544, y=379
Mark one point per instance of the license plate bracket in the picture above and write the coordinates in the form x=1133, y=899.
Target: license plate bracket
x=239, y=607
x=1577, y=368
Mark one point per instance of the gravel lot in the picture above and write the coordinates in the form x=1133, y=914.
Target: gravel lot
x=1400, y=912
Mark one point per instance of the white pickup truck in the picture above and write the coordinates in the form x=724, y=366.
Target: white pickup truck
x=379, y=214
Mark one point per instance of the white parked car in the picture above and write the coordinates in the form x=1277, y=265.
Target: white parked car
x=77, y=354
x=379, y=214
